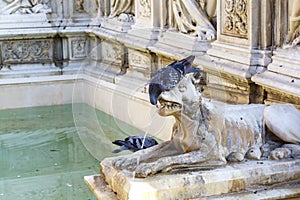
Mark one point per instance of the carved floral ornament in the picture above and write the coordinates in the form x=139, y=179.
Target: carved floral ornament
x=235, y=18
x=27, y=51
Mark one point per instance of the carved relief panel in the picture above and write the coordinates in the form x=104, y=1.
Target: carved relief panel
x=24, y=6
x=235, y=18
x=79, y=6
x=79, y=47
x=140, y=61
x=147, y=13
x=112, y=53
x=27, y=51
x=81, y=9
x=144, y=8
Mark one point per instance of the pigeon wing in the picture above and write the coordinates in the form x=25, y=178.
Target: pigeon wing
x=126, y=145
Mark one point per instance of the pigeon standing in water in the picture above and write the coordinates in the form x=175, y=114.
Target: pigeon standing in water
x=166, y=78
x=134, y=143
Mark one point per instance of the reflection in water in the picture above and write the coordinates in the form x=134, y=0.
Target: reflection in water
x=41, y=155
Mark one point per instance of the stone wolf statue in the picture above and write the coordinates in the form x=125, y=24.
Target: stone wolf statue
x=208, y=134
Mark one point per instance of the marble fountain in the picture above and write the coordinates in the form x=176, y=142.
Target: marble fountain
x=103, y=53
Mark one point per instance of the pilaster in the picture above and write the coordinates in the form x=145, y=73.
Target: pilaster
x=242, y=49
x=281, y=80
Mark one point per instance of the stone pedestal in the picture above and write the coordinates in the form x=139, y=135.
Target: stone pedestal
x=146, y=20
x=241, y=180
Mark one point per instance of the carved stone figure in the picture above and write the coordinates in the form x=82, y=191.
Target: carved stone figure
x=192, y=17
x=79, y=6
x=294, y=29
x=121, y=6
x=208, y=134
x=24, y=7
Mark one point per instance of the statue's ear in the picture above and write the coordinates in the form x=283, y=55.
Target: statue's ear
x=196, y=75
x=198, y=78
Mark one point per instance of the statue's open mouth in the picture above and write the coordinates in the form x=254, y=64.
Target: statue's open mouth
x=168, y=107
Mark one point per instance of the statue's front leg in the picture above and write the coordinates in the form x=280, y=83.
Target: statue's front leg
x=198, y=158
x=130, y=162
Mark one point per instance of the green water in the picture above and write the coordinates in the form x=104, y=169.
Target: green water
x=46, y=151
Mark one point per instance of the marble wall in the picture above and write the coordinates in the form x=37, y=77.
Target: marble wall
x=248, y=49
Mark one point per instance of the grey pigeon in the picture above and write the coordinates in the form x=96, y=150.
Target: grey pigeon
x=134, y=143
x=168, y=77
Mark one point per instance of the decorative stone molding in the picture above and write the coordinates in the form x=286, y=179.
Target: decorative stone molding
x=27, y=51
x=235, y=18
x=246, y=31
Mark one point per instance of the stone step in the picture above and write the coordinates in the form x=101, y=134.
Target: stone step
x=290, y=191
x=99, y=187
x=234, y=179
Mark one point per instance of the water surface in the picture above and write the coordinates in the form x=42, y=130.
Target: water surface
x=46, y=151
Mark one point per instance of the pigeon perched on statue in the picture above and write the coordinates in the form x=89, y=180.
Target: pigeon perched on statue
x=134, y=143
x=167, y=78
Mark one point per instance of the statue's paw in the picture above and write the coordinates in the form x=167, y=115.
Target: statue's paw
x=125, y=163
x=294, y=148
x=280, y=153
x=210, y=35
x=206, y=34
x=145, y=169
x=235, y=157
x=201, y=35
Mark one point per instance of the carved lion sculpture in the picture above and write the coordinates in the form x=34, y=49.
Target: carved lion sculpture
x=208, y=134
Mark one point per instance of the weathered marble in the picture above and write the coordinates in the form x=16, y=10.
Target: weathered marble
x=253, y=57
x=251, y=176
x=207, y=134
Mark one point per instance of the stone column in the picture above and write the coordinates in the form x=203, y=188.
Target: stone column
x=147, y=19
x=242, y=48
